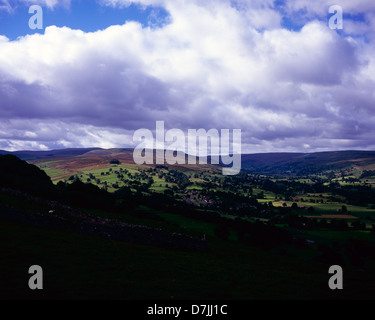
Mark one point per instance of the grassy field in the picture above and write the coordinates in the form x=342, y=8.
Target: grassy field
x=83, y=267
x=320, y=202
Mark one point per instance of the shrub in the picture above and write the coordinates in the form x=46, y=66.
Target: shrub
x=114, y=161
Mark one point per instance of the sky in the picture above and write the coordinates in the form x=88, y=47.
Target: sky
x=99, y=70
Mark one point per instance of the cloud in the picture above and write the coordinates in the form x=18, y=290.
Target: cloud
x=5, y=5
x=214, y=65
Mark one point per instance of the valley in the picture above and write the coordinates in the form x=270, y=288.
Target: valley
x=245, y=224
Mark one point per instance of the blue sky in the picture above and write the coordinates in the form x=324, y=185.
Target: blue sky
x=86, y=15
x=91, y=16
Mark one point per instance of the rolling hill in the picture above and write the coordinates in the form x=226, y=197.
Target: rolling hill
x=307, y=163
x=262, y=163
x=53, y=154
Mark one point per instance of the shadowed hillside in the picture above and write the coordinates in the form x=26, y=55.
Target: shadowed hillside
x=307, y=163
x=18, y=174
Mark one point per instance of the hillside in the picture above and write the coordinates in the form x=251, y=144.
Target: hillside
x=18, y=174
x=262, y=163
x=307, y=163
x=161, y=231
x=53, y=154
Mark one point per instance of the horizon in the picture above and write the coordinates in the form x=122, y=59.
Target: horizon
x=132, y=148
x=292, y=75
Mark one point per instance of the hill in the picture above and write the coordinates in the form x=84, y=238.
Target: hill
x=297, y=164
x=18, y=174
x=53, y=154
x=307, y=163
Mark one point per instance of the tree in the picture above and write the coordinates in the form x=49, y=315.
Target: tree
x=114, y=161
x=169, y=192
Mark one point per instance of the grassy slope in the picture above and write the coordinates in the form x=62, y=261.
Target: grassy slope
x=83, y=267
